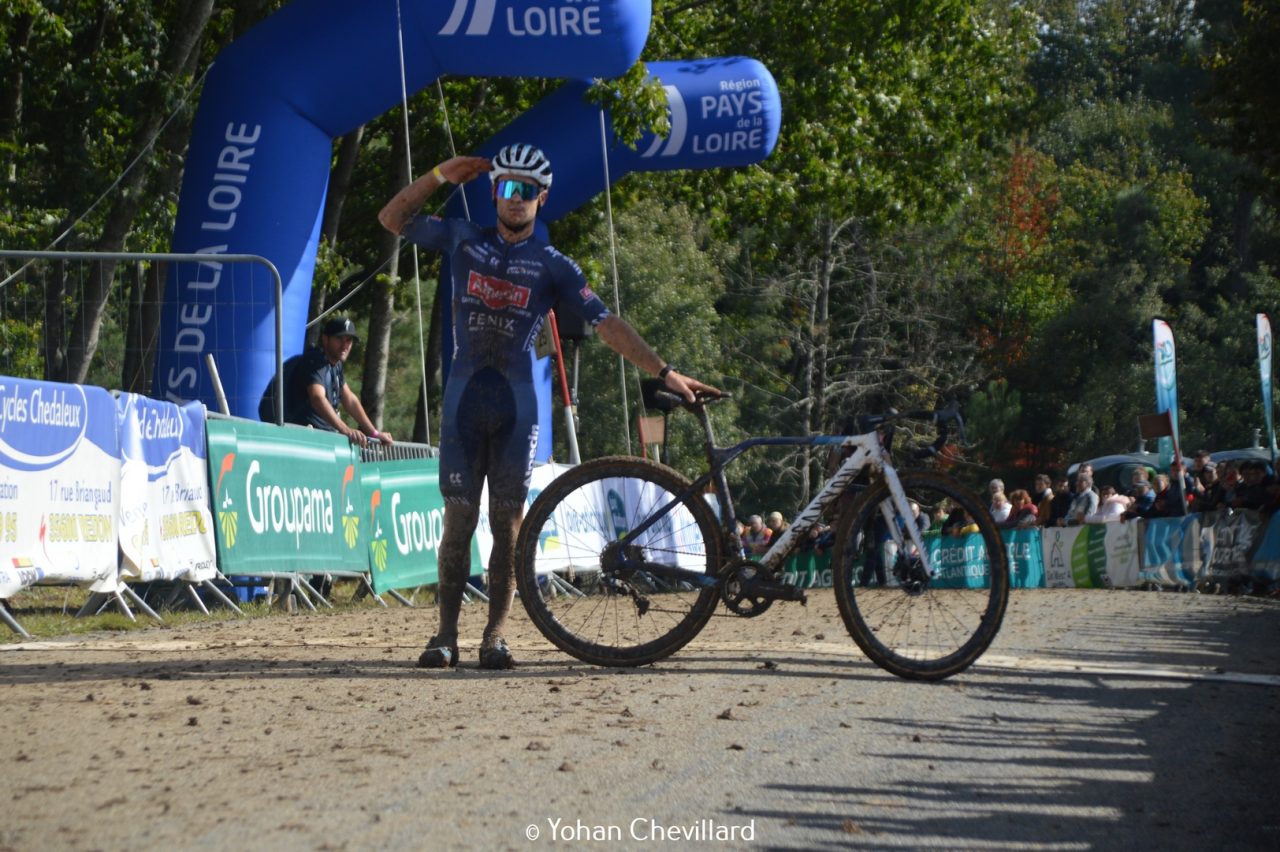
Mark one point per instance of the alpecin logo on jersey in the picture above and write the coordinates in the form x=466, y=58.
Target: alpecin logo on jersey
x=586, y=293
x=497, y=293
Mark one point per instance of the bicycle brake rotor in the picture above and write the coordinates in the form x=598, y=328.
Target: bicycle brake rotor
x=736, y=590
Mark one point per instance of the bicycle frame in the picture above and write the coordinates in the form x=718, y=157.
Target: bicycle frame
x=868, y=451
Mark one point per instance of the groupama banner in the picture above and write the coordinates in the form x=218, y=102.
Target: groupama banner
x=405, y=513
x=285, y=499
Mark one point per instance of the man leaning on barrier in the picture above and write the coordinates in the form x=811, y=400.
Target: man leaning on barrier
x=317, y=388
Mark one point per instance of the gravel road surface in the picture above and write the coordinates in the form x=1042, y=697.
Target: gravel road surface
x=1098, y=720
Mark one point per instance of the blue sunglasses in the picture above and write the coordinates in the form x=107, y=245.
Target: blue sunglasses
x=509, y=188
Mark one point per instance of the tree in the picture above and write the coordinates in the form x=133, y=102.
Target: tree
x=1241, y=56
x=668, y=283
x=92, y=135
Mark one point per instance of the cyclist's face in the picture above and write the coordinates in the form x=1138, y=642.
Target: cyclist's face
x=514, y=210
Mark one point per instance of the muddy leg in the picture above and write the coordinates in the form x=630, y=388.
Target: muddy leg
x=455, y=566
x=505, y=522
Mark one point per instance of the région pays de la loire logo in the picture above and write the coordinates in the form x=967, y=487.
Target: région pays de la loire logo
x=568, y=18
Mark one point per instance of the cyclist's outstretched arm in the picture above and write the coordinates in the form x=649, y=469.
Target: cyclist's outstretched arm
x=619, y=336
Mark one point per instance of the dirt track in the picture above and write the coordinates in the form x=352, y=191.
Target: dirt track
x=1093, y=711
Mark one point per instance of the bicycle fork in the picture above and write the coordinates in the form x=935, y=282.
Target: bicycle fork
x=916, y=581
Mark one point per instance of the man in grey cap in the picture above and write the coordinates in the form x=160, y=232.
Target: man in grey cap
x=317, y=387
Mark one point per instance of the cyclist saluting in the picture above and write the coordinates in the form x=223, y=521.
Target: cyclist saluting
x=504, y=280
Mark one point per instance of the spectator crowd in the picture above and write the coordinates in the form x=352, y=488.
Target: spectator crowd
x=1204, y=486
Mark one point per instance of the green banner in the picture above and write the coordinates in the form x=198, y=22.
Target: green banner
x=1077, y=557
x=285, y=499
x=405, y=513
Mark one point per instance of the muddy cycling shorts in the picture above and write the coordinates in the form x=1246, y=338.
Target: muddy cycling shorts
x=490, y=430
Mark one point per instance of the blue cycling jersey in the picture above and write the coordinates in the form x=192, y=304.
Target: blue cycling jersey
x=501, y=294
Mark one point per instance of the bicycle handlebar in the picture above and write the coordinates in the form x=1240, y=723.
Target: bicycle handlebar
x=656, y=396
x=942, y=417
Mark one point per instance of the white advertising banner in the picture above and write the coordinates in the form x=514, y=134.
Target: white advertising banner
x=593, y=517
x=166, y=527
x=1058, y=544
x=1122, y=548
x=59, y=486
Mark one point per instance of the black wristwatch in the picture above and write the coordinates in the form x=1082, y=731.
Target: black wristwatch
x=670, y=368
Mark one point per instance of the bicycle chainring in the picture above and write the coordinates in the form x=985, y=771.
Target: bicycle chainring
x=736, y=590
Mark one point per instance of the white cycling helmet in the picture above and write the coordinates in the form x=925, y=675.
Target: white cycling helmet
x=520, y=160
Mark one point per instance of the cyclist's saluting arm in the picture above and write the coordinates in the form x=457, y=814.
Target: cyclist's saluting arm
x=618, y=334
x=401, y=208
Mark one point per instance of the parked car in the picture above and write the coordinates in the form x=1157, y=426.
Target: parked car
x=1261, y=454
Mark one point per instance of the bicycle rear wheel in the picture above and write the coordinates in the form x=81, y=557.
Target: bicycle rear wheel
x=586, y=594
x=920, y=620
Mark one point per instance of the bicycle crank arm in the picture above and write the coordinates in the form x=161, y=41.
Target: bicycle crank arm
x=774, y=591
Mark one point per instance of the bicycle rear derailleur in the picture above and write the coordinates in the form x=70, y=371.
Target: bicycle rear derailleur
x=748, y=590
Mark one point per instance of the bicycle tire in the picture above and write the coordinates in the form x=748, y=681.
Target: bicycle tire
x=611, y=619
x=919, y=627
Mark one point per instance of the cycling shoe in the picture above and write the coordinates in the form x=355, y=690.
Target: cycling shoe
x=438, y=655
x=494, y=654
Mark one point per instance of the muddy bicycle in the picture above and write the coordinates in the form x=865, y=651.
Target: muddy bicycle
x=622, y=561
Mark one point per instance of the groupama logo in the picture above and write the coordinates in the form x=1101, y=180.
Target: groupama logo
x=569, y=18
x=228, y=519
x=350, y=520
x=378, y=544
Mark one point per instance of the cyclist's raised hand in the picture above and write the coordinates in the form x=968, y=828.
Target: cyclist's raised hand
x=462, y=169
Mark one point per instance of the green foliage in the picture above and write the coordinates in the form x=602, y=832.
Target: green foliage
x=887, y=107
x=993, y=416
x=635, y=106
x=964, y=194
x=1240, y=53
x=668, y=284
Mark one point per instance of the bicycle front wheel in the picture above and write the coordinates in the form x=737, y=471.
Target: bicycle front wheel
x=608, y=604
x=921, y=616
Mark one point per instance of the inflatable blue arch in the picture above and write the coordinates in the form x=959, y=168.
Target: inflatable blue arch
x=257, y=168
